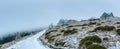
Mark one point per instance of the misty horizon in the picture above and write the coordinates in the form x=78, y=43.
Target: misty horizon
x=16, y=15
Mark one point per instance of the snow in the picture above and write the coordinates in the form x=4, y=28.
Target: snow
x=115, y=47
x=30, y=43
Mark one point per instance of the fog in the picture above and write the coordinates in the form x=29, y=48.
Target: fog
x=17, y=15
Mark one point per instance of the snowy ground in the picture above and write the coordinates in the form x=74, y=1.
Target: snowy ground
x=115, y=47
x=30, y=43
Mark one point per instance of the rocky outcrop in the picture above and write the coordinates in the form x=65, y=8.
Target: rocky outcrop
x=107, y=15
x=66, y=22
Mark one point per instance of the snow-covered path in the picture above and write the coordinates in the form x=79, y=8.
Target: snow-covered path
x=30, y=43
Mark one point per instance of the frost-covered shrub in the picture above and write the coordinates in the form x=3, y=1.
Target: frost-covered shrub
x=94, y=39
x=69, y=26
x=49, y=31
x=87, y=43
x=69, y=32
x=84, y=24
x=118, y=31
x=62, y=30
x=117, y=22
x=118, y=26
x=24, y=34
x=50, y=39
x=92, y=23
x=96, y=46
x=98, y=24
x=105, y=39
x=104, y=28
x=52, y=31
x=59, y=43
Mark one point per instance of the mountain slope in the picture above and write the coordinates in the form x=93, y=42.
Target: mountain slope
x=72, y=35
x=29, y=43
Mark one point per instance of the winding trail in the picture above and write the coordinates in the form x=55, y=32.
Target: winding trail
x=29, y=43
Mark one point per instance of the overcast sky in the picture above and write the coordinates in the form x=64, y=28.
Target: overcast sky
x=26, y=14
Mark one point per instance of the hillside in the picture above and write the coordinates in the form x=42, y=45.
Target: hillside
x=97, y=33
x=100, y=33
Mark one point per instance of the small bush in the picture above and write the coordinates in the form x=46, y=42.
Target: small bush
x=53, y=31
x=50, y=46
x=69, y=32
x=96, y=46
x=118, y=31
x=102, y=22
x=59, y=43
x=104, y=28
x=25, y=34
x=117, y=22
x=62, y=30
x=49, y=31
x=105, y=39
x=98, y=24
x=87, y=43
x=91, y=31
x=94, y=38
x=92, y=23
x=69, y=26
x=84, y=25
x=50, y=39
x=118, y=26
x=93, y=19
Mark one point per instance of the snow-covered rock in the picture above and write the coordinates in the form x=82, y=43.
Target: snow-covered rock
x=106, y=15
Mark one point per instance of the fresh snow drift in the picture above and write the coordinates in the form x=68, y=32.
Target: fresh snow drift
x=30, y=43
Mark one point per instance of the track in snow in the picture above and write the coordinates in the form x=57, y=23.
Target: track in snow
x=29, y=43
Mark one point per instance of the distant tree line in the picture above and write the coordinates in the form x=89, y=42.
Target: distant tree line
x=17, y=35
